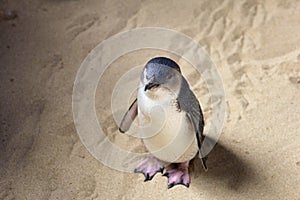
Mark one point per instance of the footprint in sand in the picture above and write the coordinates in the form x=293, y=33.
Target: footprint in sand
x=81, y=24
x=295, y=80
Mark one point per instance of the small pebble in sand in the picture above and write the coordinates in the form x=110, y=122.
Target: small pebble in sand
x=8, y=15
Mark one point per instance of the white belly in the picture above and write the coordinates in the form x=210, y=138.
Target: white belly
x=167, y=133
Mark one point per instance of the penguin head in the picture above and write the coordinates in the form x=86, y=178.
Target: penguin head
x=161, y=73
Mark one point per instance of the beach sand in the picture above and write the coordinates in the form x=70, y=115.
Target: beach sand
x=254, y=44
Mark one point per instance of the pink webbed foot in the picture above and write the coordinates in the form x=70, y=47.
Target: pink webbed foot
x=178, y=174
x=149, y=167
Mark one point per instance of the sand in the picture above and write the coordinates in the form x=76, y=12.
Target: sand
x=254, y=44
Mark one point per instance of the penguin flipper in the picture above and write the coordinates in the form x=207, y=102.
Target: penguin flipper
x=188, y=102
x=129, y=117
x=199, y=136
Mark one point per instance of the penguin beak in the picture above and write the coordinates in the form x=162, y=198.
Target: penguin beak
x=150, y=85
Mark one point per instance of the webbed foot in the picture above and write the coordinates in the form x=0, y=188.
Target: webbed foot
x=178, y=174
x=149, y=167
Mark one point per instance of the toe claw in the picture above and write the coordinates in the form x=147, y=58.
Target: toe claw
x=161, y=170
x=185, y=184
x=171, y=185
x=147, y=177
x=166, y=174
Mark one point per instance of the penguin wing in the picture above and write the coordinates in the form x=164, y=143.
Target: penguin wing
x=129, y=117
x=189, y=103
x=198, y=128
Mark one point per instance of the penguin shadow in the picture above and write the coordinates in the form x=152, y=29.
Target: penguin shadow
x=224, y=168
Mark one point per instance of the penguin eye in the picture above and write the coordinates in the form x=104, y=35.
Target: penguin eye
x=169, y=76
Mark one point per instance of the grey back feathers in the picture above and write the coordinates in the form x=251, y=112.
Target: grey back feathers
x=188, y=102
